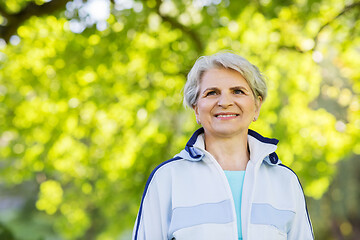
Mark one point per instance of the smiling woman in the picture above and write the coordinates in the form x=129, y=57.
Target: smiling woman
x=228, y=182
x=226, y=105
x=225, y=108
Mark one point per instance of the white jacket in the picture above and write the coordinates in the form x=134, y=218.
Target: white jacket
x=189, y=197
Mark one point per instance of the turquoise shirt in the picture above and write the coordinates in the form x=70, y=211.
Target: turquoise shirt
x=236, y=180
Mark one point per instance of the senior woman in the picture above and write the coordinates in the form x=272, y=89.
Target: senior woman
x=228, y=182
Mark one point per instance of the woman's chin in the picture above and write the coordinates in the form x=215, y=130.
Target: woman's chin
x=225, y=131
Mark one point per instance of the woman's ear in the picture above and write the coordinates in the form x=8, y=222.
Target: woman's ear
x=196, y=111
x=258, y=103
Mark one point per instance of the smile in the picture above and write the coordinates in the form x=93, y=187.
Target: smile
x=226, y=115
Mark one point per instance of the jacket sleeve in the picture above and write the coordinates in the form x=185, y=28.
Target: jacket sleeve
x=154, y=214
x=301, y=228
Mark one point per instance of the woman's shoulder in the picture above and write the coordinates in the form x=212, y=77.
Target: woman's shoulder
x=288, y=172
x=164, y=166
x=172, y=167
x=280, y=173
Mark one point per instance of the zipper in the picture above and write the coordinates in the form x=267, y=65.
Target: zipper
x=227, y=188
x=248, y=193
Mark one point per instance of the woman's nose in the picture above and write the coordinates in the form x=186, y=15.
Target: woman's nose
x=225, y=100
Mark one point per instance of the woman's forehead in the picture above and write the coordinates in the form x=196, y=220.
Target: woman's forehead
x=222, y=78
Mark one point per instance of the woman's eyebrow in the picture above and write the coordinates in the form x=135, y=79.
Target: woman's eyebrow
x=210, y=89
x=239, y=87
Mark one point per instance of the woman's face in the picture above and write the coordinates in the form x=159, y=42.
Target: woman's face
x=226, y=105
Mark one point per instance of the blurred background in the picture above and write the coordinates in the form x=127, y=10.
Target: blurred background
x=91, y=102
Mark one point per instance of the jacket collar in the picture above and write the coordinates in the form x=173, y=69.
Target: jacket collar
x=261, y=148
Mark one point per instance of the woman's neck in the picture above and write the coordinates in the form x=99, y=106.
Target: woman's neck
x=231, y=153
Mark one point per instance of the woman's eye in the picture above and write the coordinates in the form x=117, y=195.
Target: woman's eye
x=210, y=93
x=238, y=91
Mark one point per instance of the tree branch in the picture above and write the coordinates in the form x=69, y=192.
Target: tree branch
x=175, y=24
x=345, y=10
x=15, y=20
x=292, y=48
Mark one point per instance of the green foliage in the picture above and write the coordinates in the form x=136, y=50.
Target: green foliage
x=86, y=117
x=5, y=233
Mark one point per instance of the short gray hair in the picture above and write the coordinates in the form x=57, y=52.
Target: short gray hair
x=225, y=60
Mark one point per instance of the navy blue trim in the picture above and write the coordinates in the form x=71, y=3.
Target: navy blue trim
x=252, y=133
x=193, y=154
x=146, y=188
x=194, y=137
x=273, y=158
x=261, y=138
x=307, y=213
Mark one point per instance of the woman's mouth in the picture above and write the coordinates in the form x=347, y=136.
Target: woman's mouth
x=226, y=115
